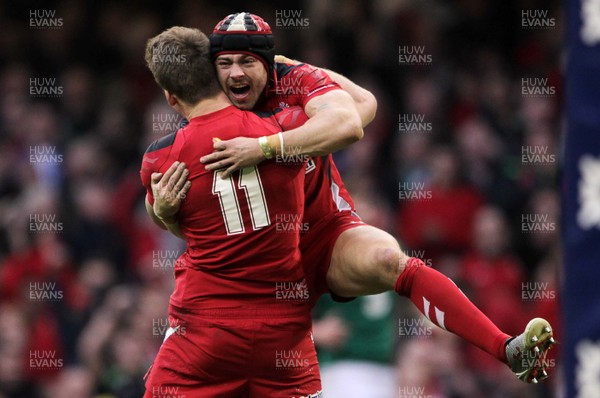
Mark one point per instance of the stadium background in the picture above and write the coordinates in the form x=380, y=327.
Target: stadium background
x=84, y=275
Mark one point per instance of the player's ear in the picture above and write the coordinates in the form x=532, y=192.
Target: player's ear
x=171, y=98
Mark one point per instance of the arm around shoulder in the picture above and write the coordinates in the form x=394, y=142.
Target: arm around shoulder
x=333, y=121
x=364, y=100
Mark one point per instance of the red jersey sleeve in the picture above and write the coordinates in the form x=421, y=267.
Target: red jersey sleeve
x=290, y=118
x=298, y=84
x=157, y=154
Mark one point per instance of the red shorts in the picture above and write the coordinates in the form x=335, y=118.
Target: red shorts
x=316, y=246
x=237, y=358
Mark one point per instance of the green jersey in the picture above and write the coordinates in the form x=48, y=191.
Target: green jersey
x=371, y=325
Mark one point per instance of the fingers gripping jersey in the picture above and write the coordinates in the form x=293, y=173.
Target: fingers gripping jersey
x=324, y=189
x=237, y=255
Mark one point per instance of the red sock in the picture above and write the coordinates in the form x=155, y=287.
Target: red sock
x=440, y=300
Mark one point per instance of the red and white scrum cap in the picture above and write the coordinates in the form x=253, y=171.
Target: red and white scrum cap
x=243, y=32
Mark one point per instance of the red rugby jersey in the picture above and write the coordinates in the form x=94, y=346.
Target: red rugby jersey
x=324, y=189
x=238, y=256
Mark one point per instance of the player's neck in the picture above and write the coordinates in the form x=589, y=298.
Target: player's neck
x=206, y=106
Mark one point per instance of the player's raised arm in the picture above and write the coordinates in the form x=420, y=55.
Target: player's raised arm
x=333, y=124
x=364, y=100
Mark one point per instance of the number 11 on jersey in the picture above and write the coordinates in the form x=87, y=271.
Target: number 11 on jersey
x=248, y=181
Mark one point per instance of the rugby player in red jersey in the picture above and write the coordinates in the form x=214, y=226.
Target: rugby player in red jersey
x=340, y=253
x=238, y=328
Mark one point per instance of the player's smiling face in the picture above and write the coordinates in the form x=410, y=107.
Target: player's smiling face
x=243, y=78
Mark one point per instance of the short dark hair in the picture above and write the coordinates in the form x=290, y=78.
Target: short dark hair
x=179, y=59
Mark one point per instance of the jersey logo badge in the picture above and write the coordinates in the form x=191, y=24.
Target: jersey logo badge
x=310, y=166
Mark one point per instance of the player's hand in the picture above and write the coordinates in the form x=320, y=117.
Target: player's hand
x=285, y=60
x=169, y=190
x=234, y=154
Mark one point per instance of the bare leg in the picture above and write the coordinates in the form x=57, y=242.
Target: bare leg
x=365, y=260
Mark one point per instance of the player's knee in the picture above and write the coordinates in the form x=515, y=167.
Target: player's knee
x=402, y=262
x=388, y=260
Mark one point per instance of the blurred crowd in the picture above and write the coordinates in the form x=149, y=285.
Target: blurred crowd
x=85, y=276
